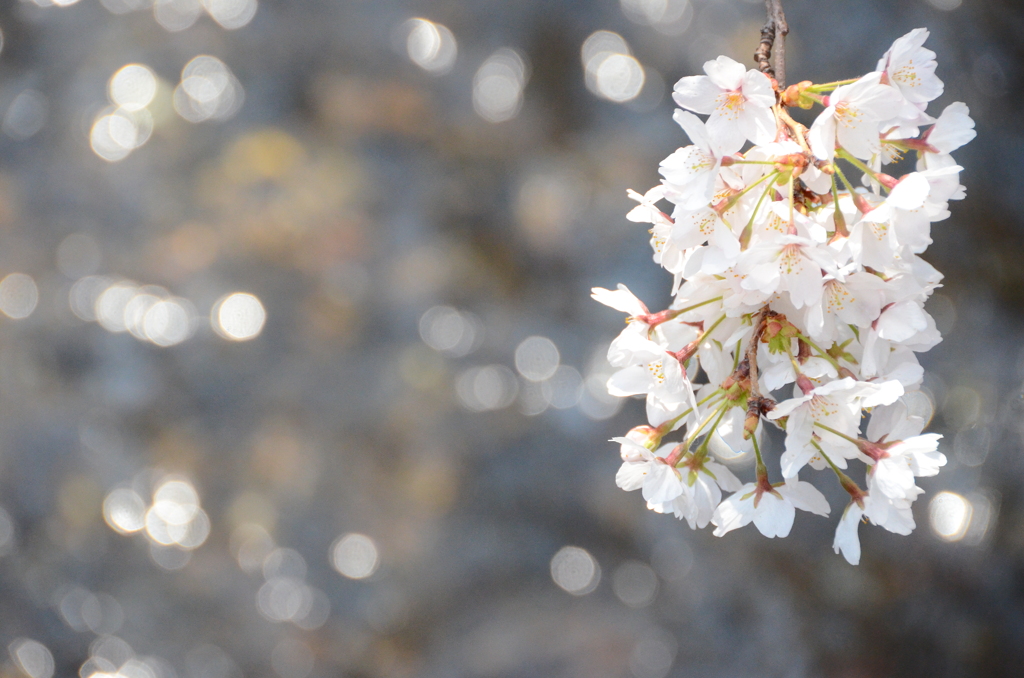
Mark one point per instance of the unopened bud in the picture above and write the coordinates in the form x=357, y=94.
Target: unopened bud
x=750, y=424
x=876, y=450
x=795, y=95
x=886, y=180
x=862, y=203
x=645, y=435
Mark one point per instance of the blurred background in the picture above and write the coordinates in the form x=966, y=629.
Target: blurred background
x=300, y=377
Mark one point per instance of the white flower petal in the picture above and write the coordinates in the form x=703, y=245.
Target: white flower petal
x=620, y=299
x=847, y=540
x=774, y=516
x=734, y=512
x=631, y=476
x=662, y=483
x=726, y=73
x=697, y=93
x=805, y=497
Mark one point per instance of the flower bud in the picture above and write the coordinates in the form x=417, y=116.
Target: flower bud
x=645, y=435
x=805, y=384
x=750, y=424
x=796, y=95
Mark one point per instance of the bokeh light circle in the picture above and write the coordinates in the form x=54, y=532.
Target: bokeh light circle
x=238, y=317
x=355, y=556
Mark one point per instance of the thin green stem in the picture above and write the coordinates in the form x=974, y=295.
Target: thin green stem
x=711, y=329
x=748, y=230
x=792, y=359
x=761, y=468
x=845, y=481
x=796, y=366
x=703, y=303
x=696, y=432
x=838, y=217
x=676, y=420
x=736, y=198
x=702, y=451
x=846, y=182
x=835, y=432
x=856, y=162
x=826, y=458
x=823, y=354
x=707, y=398
x=829, y=86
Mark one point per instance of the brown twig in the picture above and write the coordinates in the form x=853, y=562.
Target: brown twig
x=773, y=35
x=757, y=404
x=751, y=357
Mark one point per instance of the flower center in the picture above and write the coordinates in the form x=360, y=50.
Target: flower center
x=847, y=114
x=730, y=104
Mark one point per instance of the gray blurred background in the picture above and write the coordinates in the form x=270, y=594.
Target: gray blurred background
x=300, y=377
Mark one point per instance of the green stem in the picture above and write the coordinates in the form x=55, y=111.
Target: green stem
x=710, y=330
x=761, y=469
x=696, y=432
x=748, y=230
x=845, y=481
x=796, y=366
x=835, y=432
x=703, y=303
x=856, y=162
x=823, y=354
x=838, y=217
x=702, y=451
x=734, y=199
x=673, y=314
x=829, y=86
x=673, y=422
x=846, y=182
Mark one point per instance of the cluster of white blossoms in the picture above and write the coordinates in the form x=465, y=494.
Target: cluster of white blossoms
x=786, y=271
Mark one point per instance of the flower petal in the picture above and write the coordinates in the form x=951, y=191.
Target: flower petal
x=847, y=540
x=774, y=516
x=697, y=93
x=725, y=72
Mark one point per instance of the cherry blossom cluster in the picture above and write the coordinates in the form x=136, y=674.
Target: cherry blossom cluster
x=799, y=296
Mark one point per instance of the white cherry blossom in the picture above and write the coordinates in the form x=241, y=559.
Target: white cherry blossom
x=900, y=462
x=690, y=173
x=772, y=512
x=953, y=129
x=837, y=406
x=739, y=102
x=855, y=299
x=621, y=299
x=910, y=68
x=853, y=117
x=703, y=482
x=788, y=263
x=667, y=254
x=892, y=514
x=783, y=273
x=647, y=471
